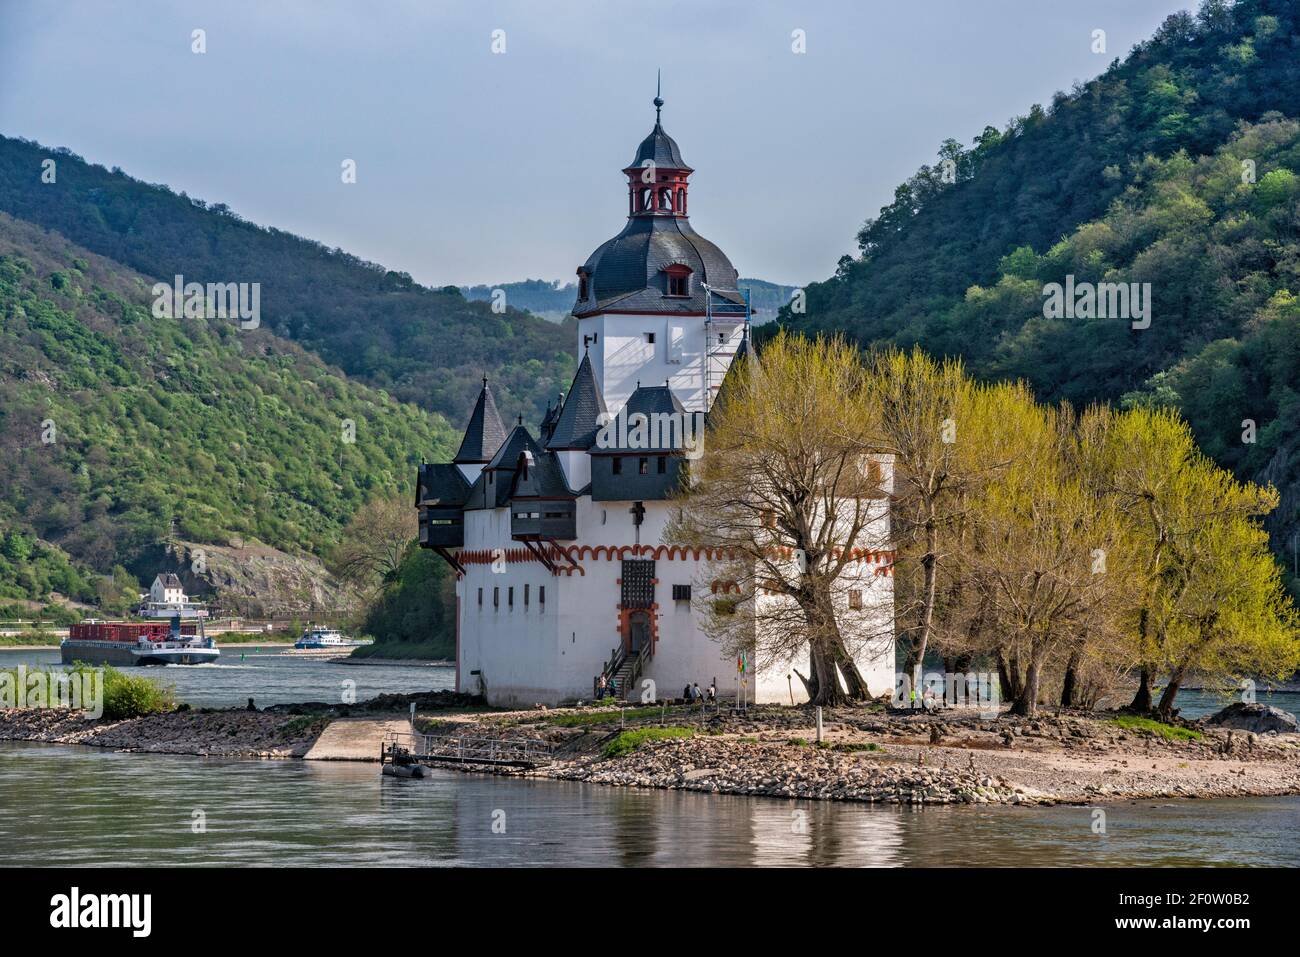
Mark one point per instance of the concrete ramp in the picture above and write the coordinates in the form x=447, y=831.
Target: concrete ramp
x=354, y=739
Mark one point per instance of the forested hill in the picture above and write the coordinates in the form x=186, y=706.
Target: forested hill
x=554, y=300
x=119, y=430
x=1177, y=167
x=421, y=345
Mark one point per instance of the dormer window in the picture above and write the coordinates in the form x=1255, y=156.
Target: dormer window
x=677, y=281
x=584, y=287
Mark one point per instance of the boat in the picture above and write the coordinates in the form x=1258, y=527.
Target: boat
x=97, y=642
x=319, y=636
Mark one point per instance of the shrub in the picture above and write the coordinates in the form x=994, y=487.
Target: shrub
x=131, y=696
x=629, y=741
x=1167, y=731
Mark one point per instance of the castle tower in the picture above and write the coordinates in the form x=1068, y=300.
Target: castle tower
x=659, y=303
x=483, y=435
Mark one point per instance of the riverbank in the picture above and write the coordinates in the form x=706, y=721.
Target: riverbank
x=870, y=755
x=279, y=731
x=867, y=754
x=431, y=652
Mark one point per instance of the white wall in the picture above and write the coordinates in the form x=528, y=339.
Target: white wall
x=534, y=655
x=621, y=357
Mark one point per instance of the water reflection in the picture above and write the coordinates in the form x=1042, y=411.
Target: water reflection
x=86, y=806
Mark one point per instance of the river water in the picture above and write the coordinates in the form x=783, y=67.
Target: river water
x=73, y=806
x=269, y=676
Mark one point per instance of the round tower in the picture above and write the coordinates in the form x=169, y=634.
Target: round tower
x=659, y=303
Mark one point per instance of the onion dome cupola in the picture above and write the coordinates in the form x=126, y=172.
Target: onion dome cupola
x=485, y=434
x=658, y=263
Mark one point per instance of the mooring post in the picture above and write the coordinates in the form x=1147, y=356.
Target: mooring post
x=819, y=724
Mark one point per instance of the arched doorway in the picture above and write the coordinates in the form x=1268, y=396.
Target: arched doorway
x=638, y=631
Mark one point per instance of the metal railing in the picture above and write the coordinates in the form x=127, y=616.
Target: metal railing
x=404, y=747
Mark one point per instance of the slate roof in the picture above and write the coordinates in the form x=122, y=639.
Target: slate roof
x=549, y=421
x=626, y=273
x=485, y=433
x=443, y=486
x=545, y=479
x=496, y=493
x=662, y=149
x=667, y=435
x=577, y=426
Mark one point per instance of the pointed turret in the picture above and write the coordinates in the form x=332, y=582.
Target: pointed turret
x=578, y=421
x=484, y=434
x=550, y=419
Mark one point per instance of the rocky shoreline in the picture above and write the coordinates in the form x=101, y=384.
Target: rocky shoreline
x=204, y=733
x=278, y=731
x=913, y=759
x=867, y=754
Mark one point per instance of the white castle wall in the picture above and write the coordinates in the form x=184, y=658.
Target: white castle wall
x=621, y=357
x=550, y=653
x=525, y=655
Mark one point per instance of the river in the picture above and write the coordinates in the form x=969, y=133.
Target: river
x=269, y=676
x=69, y=805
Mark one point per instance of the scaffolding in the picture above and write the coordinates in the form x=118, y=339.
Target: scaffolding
x=722, y=318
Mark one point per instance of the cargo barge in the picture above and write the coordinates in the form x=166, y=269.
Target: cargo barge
x=137, y=643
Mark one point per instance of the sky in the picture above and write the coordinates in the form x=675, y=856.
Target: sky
x=476, y=165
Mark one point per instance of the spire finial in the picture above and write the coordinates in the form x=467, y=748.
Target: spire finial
x=659, y=100
x=485, y=380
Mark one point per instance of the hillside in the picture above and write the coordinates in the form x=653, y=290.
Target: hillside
x=120, y=430
x=1177, y=168
x=554, y=300
x=421, y=345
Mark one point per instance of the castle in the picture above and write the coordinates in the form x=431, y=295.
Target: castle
x=556, y=539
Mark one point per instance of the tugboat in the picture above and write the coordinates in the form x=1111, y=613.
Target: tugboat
x=137, y=643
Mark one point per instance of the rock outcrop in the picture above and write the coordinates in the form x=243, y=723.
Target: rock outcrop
x=1259, y=718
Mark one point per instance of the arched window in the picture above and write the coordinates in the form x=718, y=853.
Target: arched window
x=681, y=201
x=666, y=198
